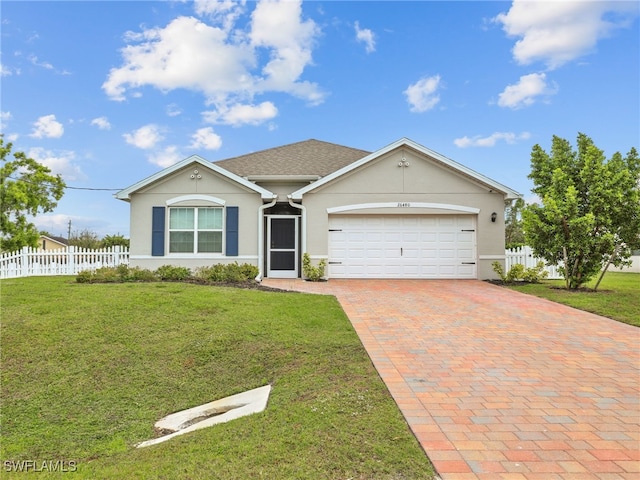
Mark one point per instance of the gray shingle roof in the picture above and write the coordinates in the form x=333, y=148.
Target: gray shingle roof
x=309, y=157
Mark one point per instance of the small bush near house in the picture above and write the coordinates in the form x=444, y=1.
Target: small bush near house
x=219, y=273
x=119, y=274
x=313, y=273
x=173, y=273
x=518, y=273
x=229, y=273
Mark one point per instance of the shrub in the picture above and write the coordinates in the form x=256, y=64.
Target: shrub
x=137, y=274
x=249, y=271
x=85, y=276
x=108, y=275
x=218, y=273
x=229, y=273
x=212, y=273
x=119, y=274
x=518, y=272
x=173, y=273
x=313, y=273
x=535, y=274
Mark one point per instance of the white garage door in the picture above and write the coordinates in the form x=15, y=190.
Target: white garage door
x=402, y=246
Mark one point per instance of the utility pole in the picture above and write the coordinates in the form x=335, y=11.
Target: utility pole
x=69, y=232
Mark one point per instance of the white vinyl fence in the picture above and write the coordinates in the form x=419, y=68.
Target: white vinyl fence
x=524, y=256
x=68, y=261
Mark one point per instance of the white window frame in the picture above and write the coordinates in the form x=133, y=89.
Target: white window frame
x=195, y=231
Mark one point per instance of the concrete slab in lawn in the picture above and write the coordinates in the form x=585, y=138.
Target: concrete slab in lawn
x=209, y=414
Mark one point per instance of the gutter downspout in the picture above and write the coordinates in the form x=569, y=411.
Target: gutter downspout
x=261, y=210
x=303, y=211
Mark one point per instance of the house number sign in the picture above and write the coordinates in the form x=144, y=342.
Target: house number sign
x=404, y=204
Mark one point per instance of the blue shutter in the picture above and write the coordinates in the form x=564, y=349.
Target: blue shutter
x=157, y=231
x=231, y=231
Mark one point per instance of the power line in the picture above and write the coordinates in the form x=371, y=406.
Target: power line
x=70, y=187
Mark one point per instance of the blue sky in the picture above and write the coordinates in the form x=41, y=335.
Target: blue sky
x=108, y=93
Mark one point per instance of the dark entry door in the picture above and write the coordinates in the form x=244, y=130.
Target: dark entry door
x=282, y=238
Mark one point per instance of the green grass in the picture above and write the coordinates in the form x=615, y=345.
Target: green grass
x=88, y=369
x=617, y=297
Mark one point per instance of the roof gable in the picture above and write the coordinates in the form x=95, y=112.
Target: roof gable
x=301, y=159
x=125, y=194
x=434, y=156
x=56, y=239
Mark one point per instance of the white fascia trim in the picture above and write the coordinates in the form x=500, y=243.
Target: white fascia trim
x=405, y=142
x=401, y=205
x=196, y=197
x=125, y=194
x=283, y=178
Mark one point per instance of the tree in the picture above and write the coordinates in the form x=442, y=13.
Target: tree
x=26, y=189
x=513, y=231
x=113, y=240
x=85, y=239
x=590, y=211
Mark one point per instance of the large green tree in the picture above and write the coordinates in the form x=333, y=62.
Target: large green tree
x=26, y=189
x=513, y=231
x=589, y=216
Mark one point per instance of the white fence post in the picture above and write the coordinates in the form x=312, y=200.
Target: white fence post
x=24, y=262
x=524, y=256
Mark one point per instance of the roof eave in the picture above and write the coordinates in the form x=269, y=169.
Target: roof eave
x=283, y=178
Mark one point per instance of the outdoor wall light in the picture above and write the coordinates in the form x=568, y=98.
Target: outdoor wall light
x=494, y=215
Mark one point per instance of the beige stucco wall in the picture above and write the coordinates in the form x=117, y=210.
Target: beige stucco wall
x=181, y=184
x=420, y=182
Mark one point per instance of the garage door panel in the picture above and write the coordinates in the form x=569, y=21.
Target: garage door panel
x=402, y=246
x=448, y=237
x=447, y=254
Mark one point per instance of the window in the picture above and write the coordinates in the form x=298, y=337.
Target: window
x=195, y=230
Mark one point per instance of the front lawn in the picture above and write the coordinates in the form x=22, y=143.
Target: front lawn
x=88, y=368
x=617, y=297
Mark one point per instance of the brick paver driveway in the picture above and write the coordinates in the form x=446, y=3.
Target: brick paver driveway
x=497, y=384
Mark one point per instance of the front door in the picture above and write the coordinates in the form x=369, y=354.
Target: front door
x=282, y=241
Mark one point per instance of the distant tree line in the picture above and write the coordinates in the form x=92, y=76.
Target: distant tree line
x=92, y=241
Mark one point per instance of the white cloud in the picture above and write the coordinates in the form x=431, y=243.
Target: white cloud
x=206, y=138
x=422, y=95
x=145, y=137
x=102, y=123
x=560, y=31
x=4, y=118
x=277, y=25
x=62, y=163
x=58, y=224
x=7, y=71
x=34, y=60
x=239, y=114
x=491, y=140
x=525, y=92
x=166, y=157
x=221, y=64
x=47, y=127
x=223, y=12
x=185, y=54
x=173, y=110
x=367, y=37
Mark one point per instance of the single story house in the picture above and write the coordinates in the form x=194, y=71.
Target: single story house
x=52, y=243
x=403, y=211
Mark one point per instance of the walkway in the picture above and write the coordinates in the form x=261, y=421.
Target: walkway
x=500, y=385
